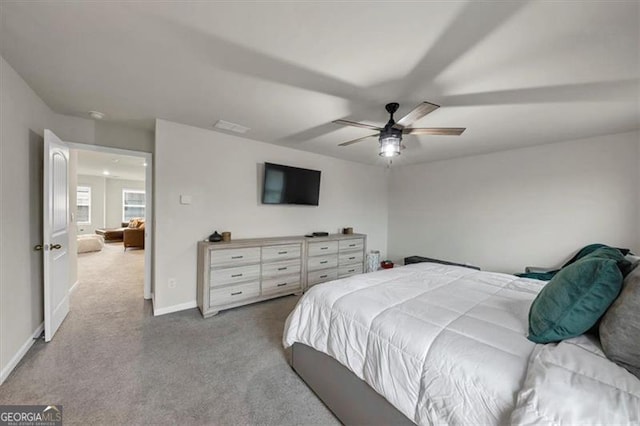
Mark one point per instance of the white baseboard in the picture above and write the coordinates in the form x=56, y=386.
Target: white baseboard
x=20, y=354
x=74, y=287
x=174, y=308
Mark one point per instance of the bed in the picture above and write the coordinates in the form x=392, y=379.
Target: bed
x=434, y=344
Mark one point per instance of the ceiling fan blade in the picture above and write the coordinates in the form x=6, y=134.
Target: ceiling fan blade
x=358, y=140
x=416, y=114
x=356, y=124
x=443, y=131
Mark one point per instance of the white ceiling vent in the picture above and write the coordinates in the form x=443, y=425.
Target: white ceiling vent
x=232, y=127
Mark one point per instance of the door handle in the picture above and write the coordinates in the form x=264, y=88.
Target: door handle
x=55, y=247
x=37, y=247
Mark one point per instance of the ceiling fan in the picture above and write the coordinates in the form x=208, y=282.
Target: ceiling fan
x=390, y=136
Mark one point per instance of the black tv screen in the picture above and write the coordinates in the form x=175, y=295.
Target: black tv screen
x=290, y=185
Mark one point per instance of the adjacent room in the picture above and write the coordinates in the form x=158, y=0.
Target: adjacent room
x=110, y=216
x=292, y=213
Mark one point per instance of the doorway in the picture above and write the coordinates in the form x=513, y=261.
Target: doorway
x=111, y=202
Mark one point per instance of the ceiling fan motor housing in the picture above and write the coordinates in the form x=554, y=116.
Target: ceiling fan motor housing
x=390, y=132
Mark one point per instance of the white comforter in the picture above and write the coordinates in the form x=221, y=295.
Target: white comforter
x=573, y=383
x=442, y=344
x=448, y=345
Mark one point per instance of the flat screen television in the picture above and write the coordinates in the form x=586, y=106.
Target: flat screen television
x=290, y=185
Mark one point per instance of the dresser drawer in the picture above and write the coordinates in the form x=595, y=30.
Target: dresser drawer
x=321, y=248
x=353, y=244
x=318, y=277
x=231, y=294
x=283, y=252
x=281, y=284
x=348, y=270
x=278, y=269
x=322, y=262
x=238, y=274
x=238, y=256
x=350, y=258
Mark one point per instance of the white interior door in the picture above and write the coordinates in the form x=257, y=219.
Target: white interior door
x=56, y=233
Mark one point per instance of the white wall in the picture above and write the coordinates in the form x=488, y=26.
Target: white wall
x=220, y=172
x=533, y=206
x=113, y=200
x=23, y=116
x=106, y=201
x=116, y=136
x=97, y=185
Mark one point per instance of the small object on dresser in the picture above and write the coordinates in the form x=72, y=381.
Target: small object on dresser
x=386, y=264
x=226, y=237
x=215, y=237
x=320, y=234
x=347, y=231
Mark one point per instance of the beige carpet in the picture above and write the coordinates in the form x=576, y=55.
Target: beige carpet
x=112, y=362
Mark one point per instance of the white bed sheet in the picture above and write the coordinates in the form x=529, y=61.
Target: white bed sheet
x=443, y=344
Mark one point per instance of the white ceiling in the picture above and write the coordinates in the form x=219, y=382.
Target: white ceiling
x=516, y=73
x=94, y=163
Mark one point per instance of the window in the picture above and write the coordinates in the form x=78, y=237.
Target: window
x=83, y=205
x=133, y=202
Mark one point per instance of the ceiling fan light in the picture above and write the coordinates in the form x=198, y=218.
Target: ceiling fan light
x=389, y=146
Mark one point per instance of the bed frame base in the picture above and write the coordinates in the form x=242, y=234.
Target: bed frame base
x=350, y=399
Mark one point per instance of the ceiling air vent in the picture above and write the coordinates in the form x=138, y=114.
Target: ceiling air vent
x=231, y=127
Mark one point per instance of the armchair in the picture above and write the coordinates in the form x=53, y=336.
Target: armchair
x=133, y=237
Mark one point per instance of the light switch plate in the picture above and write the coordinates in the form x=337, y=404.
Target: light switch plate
x=185, y=199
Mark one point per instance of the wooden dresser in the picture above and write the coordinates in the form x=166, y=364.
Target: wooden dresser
x=245, y=271
x=333, y=257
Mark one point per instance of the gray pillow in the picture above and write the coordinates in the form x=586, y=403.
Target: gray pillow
x=620, y=326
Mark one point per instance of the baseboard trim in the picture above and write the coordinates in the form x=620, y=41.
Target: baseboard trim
x=174, y=308
x=20, y=354
x=74, y=286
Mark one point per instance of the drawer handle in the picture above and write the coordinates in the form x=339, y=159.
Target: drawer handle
x=324, y=261
x=352, y=270
x=236, y=275
x=236, y=293
x=283, y=252
x=352, y=245
x=351, y=258
x=280, y=285
x=324, y=248
x=237, y=257
x=323, y=276
x=284, y=268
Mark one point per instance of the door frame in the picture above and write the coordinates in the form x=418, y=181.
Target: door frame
x=148, y=187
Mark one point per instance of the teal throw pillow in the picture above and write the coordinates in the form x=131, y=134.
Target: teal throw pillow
x=574, y=300
x=614, y=254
